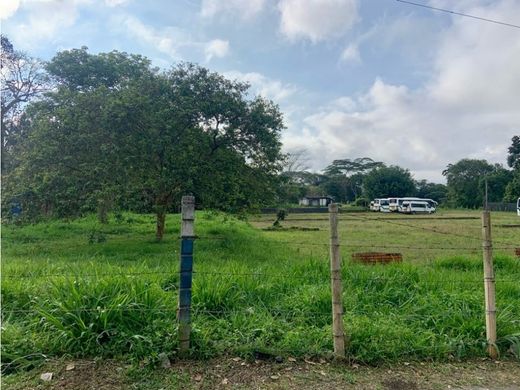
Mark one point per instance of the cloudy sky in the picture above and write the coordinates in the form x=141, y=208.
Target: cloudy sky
x=379, y=78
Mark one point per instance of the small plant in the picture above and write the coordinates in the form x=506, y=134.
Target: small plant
x=96, y=237
x=280, y=216
x=362, y=202
x=119, y=217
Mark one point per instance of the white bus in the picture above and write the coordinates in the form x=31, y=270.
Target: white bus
x=400, y=202
x=374, y=205
x=393, y=204
x=396, y=204
x=518, y=207
x=416, y=207
x=384, y=205
x=387, y=205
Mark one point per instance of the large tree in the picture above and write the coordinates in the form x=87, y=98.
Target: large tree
x=115, y=126
x=435, y=191
x=389, y=181
x=22, y=78
x=345, y=177
x=463, y=180
x=513, y=157
x=496, y=181
x=74, y=158
x=512, y=190
x=350, y=167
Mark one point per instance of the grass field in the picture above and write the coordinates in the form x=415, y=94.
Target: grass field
x=83, y=290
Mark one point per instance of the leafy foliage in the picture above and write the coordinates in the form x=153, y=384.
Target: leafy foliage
x=513, y=158
x=466, y=182
x=116, y=131
x=463, y=180
x=435, y=191
x=389, y=181
x=22, y=78
x=349, y=167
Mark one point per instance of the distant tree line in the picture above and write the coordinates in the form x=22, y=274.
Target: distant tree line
x=362, y=179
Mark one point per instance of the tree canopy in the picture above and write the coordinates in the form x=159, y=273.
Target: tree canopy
x=116, y=129
x=389, y=181
x=463, y=180
x=22, y=78
x=513, y=157
x=512, y=190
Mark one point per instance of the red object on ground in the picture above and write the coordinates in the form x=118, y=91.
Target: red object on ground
x=377, y=257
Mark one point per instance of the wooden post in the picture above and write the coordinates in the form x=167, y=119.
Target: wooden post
x=186, y=271
x=489, y=285
x=335, y=279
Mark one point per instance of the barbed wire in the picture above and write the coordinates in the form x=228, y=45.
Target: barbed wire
x=281, y=275
x=356, y=242
x=89, y=275
x=432, y=230
x=248, y=310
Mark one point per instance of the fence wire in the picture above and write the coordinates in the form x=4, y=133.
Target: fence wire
x=347, y=277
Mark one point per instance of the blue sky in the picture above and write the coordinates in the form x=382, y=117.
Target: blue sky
x=377, y=78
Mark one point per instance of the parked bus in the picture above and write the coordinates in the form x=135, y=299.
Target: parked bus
x=374, y=205
x=433, y=204
x=393, y=204
x=416, y=207
x=384, y=205
x=396, y=204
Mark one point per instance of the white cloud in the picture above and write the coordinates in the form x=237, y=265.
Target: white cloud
x=245, y=9
x=477, y=68
x=317, y=20
x=172, y=41
x=8, y=8
x=216, y=48
x=167, y=40
x=161, y=40
x=468, y=108
x=45, y=20
x=351, y=54
x=115, y=3
x=264, y=86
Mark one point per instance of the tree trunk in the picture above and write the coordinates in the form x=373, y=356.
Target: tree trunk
x=104, y=204
x=161, y=205
x=161, y=217
x=102, y=213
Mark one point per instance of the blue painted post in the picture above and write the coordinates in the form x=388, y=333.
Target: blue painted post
x=186, y=272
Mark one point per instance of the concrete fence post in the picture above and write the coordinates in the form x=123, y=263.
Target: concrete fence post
x=335, y=279
x=186, y=273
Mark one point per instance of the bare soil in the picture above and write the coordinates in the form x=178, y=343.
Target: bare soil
x=236, y=373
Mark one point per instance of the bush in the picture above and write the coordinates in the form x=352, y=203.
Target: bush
x=363, y=202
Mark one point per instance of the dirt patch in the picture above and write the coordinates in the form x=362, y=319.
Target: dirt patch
x=399, y=384
x=237, y=373
x=291, y=228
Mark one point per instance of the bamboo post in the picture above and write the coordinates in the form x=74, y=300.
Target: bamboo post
x=186, y=273
x=489, y=285
x=335, y=279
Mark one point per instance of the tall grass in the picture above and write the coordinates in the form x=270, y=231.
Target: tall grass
x=66, y=294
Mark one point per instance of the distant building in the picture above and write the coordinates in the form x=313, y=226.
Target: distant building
x=317, y=201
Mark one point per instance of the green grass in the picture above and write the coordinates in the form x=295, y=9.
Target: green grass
x=80, y=289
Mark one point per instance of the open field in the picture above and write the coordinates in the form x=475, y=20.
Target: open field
x=79, y=289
